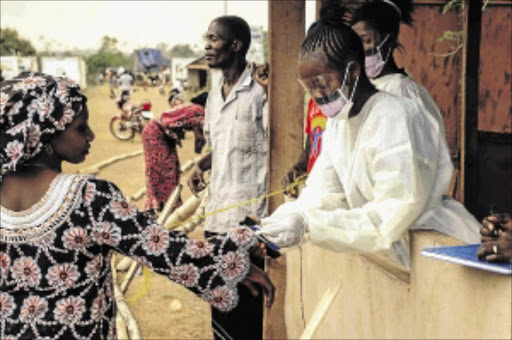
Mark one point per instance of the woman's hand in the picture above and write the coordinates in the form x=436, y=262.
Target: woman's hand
x=499, y=250
x=259, y=250
x=491, y=225
x=257, y=277
x=196, y=181
x=496, y=234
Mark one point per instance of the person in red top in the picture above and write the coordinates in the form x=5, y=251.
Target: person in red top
x=159, y=140
x=315, y=126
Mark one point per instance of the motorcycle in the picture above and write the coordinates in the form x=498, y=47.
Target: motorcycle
x=130, y=120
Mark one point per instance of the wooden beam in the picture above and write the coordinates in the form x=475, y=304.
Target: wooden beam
x=320, y=311
x=286, y=119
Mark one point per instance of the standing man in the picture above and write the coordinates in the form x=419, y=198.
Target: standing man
x=236, y=130
x=125, y=82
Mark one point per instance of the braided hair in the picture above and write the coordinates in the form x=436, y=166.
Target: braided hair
x=385, y=15
x=331, y=39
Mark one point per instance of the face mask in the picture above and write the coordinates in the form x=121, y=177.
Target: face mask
x=337, y=103
x=374, y=63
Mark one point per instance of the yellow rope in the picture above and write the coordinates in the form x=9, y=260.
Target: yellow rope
x=299, y=180
x=144, y=289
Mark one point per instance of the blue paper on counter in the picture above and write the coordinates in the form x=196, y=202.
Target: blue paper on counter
x=466, y=256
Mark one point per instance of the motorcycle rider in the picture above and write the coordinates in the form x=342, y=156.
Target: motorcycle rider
x=125, y=82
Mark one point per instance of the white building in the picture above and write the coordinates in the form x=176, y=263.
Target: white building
x=179, y=70
x=13, y=65
x=71, y=67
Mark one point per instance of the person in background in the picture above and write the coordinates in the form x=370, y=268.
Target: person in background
x=314, y=129
x=175, y=99
x=378, y=173
x=496, y=235
x=236, y=130
x=59, y=232
x=160, y=138
x=125, y=83
x=145, y=80
x=378, y=25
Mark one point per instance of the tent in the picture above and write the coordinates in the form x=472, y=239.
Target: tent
x=150, y=60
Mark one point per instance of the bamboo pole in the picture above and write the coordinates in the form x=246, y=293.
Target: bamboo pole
x=120, y=325
x=198, y=217
x=127, y=279
x=187, y=166
x=169, y=205
x=182, y=213
x=138, y=195
x=94, y=169
x=134, y=266
x=124, y=264
x=123, y=310
x=122, y=333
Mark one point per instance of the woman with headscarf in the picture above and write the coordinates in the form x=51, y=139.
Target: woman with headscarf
x=159, y=139
x=378, y=174
x=58, y=231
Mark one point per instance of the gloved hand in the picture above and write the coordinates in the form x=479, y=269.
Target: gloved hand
x=284, y=231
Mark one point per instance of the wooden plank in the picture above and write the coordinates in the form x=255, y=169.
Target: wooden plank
x=286, y=32
x=495, y=78
x=320, y=311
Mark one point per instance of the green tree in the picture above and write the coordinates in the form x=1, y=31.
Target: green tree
x=107, y=55
x=183, y=51
x=163, y=47
x=12, y=44
x=108, y=44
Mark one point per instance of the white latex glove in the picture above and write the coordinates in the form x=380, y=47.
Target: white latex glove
x=285, y=231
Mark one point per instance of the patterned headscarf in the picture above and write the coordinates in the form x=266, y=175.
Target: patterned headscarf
x=33, y=108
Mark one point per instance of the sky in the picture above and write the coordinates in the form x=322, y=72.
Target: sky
x=136, y=24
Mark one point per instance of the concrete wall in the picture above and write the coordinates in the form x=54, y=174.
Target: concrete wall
x=436, y=300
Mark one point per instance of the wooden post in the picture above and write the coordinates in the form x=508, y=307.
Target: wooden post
x=286, y=119
x=318, y=5
x=469, y=129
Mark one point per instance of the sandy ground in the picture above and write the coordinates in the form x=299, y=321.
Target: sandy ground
x=153, y=310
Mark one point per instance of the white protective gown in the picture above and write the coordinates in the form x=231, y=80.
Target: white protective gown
x=379, y=174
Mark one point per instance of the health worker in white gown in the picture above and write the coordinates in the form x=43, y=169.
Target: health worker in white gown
x=379, y=171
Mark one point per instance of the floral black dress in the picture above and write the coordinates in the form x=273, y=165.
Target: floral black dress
x=55, y=261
